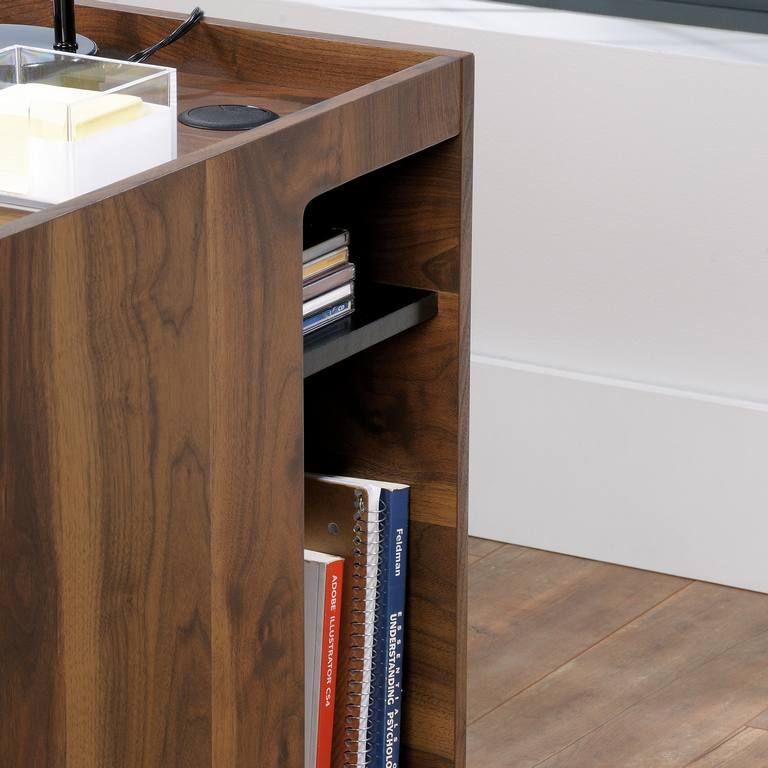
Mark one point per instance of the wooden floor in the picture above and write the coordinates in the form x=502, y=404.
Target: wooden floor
x=579, y=664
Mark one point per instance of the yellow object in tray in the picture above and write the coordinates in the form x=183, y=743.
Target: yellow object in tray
x=37, y=110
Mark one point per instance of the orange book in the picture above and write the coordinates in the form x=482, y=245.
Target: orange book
x=323, y=579
x=334, y=577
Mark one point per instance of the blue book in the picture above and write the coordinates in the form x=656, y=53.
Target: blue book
x=387, y=683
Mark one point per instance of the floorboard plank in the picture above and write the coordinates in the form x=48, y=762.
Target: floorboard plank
x=658, y=692
x=483, y=547
x=693, y=713
x=761, y=721
x=747, y=749
x=532, y=611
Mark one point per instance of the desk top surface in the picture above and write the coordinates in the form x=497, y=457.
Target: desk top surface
x=230, y=63
x=196, y=90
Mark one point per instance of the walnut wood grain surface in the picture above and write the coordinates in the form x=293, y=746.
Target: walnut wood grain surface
x=326, y=64
x=200, y=90
x=152, y=542
x=152, y=444
x=32, y=685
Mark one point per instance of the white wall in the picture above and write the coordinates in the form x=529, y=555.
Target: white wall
x=620, y=321
x=647, y=476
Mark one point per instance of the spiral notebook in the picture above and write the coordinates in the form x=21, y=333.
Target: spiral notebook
x=354, y=535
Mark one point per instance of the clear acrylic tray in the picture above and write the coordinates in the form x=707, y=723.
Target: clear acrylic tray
x=70, y=124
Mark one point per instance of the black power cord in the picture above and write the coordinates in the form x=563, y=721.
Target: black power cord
x=194, y=18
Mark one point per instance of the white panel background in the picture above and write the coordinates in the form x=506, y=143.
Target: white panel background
x=636, y=475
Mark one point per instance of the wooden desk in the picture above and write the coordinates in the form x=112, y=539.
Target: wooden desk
x=156, y=421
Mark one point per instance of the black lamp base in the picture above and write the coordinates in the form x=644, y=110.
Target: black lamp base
x=39, y=37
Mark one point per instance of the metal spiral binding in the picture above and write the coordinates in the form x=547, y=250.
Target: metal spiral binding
x=366, y=592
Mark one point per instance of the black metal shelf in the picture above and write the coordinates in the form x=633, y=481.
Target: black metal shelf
x=382, y=311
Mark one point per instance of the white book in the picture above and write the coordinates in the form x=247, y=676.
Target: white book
x=369, y=519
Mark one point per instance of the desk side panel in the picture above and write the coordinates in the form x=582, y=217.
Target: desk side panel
x=151, y=577
x=257, y=458
x=32, y=692
x=116, y=450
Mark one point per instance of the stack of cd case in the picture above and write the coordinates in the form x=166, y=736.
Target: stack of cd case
x=329, y=281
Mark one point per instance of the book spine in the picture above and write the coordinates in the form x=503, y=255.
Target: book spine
x=379, y=642
x=322, y=265
x=366, y=600
x=327, y=316
x=328, y=299
x=335, y=278
x=394, y=634
x=333, y=585
x=332, y=244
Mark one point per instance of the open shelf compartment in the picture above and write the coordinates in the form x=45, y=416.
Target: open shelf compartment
x=383, y=312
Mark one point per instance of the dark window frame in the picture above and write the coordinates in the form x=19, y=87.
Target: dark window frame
x=741, y=15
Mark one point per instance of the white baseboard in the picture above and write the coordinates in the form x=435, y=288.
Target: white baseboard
x=639, y=475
